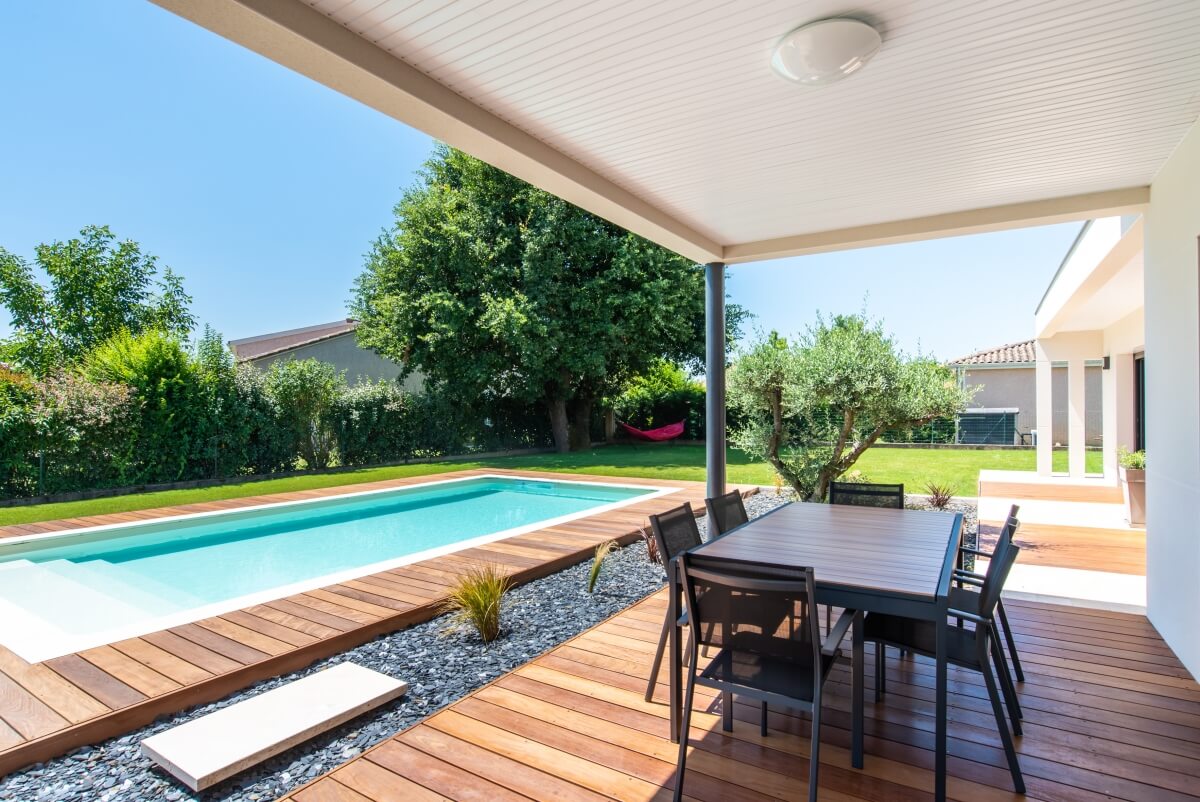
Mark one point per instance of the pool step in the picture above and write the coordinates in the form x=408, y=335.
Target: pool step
x=206, y=750
x=44, y=588
x=145, y=592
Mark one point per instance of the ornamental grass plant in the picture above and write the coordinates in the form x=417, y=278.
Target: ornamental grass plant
x=477, y=600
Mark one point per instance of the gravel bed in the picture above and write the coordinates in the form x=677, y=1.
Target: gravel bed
x=440, y=663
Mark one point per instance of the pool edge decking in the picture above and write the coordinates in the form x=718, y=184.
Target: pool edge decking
x=49, y=708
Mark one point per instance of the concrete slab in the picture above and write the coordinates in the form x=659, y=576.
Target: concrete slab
x=207, y=750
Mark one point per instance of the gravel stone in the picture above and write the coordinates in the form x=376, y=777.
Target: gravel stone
x=441, y=663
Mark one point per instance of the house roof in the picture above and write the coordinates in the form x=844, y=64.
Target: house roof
x=1011, y=354
x=974, y=115
x=278, y=342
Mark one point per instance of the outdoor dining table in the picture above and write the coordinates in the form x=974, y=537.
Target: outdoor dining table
x=865, y=560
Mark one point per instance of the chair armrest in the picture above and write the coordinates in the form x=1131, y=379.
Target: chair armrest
x=968, y=616
x=838, y=633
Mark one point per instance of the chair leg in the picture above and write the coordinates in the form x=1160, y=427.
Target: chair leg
x=658, y=656
x=1008, y=639
x=1006, y=685
x=814, y=752
x=763, y=723
x=1002, y=725
x=727, y=711
x=683, y=734
x=880, y=671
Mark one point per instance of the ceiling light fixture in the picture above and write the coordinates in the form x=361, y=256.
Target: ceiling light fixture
x=825, y=51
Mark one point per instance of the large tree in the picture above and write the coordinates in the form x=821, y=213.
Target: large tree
x=493, y=288
x=812, y=408
x=89, y=289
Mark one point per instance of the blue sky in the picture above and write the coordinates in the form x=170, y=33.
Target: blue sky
x=264, y=190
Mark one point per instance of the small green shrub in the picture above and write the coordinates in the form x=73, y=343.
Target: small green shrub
x=940, y=495
x=1133, y=460
x=477, y=599
x=602, y=551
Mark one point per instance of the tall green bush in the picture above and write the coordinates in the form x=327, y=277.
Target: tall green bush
x=174, y=430
x=90, y=433
x=305, y=392
x=374, y=422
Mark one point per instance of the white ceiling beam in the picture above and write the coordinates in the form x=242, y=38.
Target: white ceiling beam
x=296, y=36
x=973, y=221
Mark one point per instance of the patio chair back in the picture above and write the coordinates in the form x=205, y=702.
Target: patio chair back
x=736, y=605
x=726, y=512
x=1001, y=562
x=861, y=494
x=675, y=531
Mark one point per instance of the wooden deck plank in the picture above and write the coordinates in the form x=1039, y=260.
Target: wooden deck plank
x=162, y=661
x=577, y=715
x=114, y=688
x=133, y=673
x=24, y=712
x=97, y=683
x=67, y=700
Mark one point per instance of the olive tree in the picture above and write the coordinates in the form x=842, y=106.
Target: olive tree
x=812, y=408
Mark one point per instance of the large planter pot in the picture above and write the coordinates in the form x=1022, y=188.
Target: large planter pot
x=1133, y=483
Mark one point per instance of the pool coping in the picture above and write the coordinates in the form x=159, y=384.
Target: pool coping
x=51, y=707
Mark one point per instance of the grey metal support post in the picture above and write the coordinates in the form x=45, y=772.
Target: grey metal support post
x=714, y=369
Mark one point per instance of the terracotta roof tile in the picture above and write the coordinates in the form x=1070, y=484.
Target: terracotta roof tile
x=1002, y=355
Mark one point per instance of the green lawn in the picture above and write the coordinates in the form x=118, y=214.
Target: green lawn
x=914, y=467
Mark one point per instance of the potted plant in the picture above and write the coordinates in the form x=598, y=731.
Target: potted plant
x=1133, y=483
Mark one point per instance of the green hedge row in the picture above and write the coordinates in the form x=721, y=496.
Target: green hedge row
x=147, y=410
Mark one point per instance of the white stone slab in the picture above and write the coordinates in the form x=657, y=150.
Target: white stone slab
x=212, y=748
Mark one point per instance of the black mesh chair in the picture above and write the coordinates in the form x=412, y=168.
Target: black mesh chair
x=860, y=494
x=757, y=655
x=976, y=649
x=965, y=593
x=675, y=532
x=725, y=513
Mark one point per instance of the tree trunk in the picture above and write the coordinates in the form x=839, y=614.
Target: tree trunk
x=581, y=424
x=558, y=424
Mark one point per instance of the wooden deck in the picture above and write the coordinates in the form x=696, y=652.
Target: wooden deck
x=1110, y=713
x=48, y=708
x=1121, y=551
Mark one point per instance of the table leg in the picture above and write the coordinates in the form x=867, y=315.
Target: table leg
x=856, y=748
x=939, y=788
x=673, y=657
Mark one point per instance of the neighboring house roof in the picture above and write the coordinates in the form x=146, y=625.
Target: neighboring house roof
x=265, y=345
x=1011, y=354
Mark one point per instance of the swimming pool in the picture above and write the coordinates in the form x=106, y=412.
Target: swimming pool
x=64, y=592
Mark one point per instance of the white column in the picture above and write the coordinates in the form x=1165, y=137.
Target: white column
x=1109, y=385
x=1119, y=412
x=1076, y=419
x=1045, y=413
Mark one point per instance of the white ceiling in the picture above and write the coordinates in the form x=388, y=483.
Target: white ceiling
x=969, y=104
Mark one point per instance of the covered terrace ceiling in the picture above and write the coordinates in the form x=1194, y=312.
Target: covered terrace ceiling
x=666, y=118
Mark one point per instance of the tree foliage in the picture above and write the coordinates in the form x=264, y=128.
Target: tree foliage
x=176, y=422
x=304, y=392
x=813, y=408
x=95, y=288
x=497, y=290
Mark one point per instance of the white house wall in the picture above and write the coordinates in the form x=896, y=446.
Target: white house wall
x=1173, y=402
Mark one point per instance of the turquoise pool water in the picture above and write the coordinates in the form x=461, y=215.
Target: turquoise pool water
x=112, y=579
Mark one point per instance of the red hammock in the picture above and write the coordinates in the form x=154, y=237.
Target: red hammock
x=668, y=432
